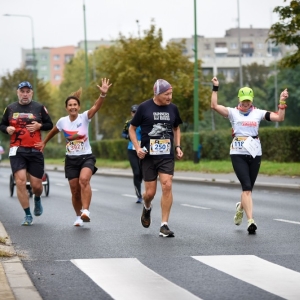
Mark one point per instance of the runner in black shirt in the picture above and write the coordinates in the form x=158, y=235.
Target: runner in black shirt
x=159, y=120
x=23, y=121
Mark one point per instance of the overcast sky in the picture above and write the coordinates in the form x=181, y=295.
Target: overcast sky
x=60, y=22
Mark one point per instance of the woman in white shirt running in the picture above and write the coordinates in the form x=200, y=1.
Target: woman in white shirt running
x=245, y=149
x=79, y=162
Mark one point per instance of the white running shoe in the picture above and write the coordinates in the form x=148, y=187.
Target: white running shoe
x=238, y=218
x=85, y=215
x=78, y=222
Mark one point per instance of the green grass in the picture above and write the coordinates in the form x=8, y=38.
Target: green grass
x=205, y=166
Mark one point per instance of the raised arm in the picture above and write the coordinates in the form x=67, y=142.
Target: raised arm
x=279, y=117
x=222, y=110
x=103, y=91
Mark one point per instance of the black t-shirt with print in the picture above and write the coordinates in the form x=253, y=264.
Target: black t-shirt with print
x=157, y=123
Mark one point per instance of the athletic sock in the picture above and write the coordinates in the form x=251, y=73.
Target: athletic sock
x=163, y=223
x=27, y=211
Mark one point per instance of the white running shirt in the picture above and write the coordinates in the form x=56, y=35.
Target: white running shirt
x=76, y=133
x=243, y=127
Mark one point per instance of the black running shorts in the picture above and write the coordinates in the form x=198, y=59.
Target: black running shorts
x=151, y=167
x=29, y=159
x=74, y=164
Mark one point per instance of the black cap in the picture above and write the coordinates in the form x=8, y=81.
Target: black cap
x=134, y=108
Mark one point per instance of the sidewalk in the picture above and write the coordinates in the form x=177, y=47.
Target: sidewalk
x=15, y=282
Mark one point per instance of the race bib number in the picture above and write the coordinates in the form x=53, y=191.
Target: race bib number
x=238, y=143
x=160, y=147
x=75, y=146
x=13, y=151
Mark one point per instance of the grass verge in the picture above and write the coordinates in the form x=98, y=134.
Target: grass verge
x=206, y=166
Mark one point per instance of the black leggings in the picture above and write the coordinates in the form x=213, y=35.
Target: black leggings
x=137, y=171
x=246, y=169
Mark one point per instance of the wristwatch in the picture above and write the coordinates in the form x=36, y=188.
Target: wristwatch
x=178, y=146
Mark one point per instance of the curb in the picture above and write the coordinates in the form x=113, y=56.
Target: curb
x=219, y=182
x=14, y=280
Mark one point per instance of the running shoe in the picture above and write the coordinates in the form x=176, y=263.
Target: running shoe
x=85, y=215
x=251, y=226
x=146, y=217
x=139, y=200
x=165, y=231
x=27, y=220
x=78, y=222
x=38, y=208
x=238, y=218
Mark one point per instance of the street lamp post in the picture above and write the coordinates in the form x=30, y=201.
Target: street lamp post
x=86, y=60
x=33, y=52
x=240, y=52
x=85, y=49
x=196, y=97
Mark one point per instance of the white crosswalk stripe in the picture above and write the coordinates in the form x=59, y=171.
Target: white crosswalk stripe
x=128, y=278
x=268, y=276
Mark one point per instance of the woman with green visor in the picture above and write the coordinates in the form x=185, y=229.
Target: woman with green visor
x=245, y=148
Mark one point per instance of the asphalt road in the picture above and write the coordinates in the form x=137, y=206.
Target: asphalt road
x=114, y=257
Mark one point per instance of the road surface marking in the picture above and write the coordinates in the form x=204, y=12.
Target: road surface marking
x=268, y=276
x=127, y=195
x=128, y=278
x=287, y=221
x=194, y=206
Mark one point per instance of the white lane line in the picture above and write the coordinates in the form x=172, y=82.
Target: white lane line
x=268, y=276
x=287, y=221
x=60, y=184
x=94, y=190
x=127, y=195
x=129, y=279
x=194, y=206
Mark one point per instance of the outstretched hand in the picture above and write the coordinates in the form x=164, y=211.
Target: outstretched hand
x=104, y=86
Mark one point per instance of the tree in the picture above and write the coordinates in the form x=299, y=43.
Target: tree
x=134, y=64
x=286, y=31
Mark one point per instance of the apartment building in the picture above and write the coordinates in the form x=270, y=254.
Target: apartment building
x=50, y=62
x=221, y=54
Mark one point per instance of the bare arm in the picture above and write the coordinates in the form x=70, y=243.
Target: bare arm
x=222, y=110
x=50, y=135
x=103, y=89
x=279, y=117
x=177, y=136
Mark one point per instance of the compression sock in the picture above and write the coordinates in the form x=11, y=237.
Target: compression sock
x=37, y=198
x=27, y=211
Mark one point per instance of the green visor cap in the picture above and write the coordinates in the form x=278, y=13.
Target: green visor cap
x=246, y=93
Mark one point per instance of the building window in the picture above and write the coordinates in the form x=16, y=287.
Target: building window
x=221, y=45
x=45, y=77
x=233, y=46
x=56, y=57
x=206, y=46
x=246, y=45
x=68, y=58
x=43, y=68
x=260, y=46
x=56, y=67
x=44, y=56
x=57, y=77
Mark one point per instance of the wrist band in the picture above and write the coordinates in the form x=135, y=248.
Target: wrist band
x=282, y=102
x=215, y=88
x=178, y=147
x=282, y=106
x=103, y=96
